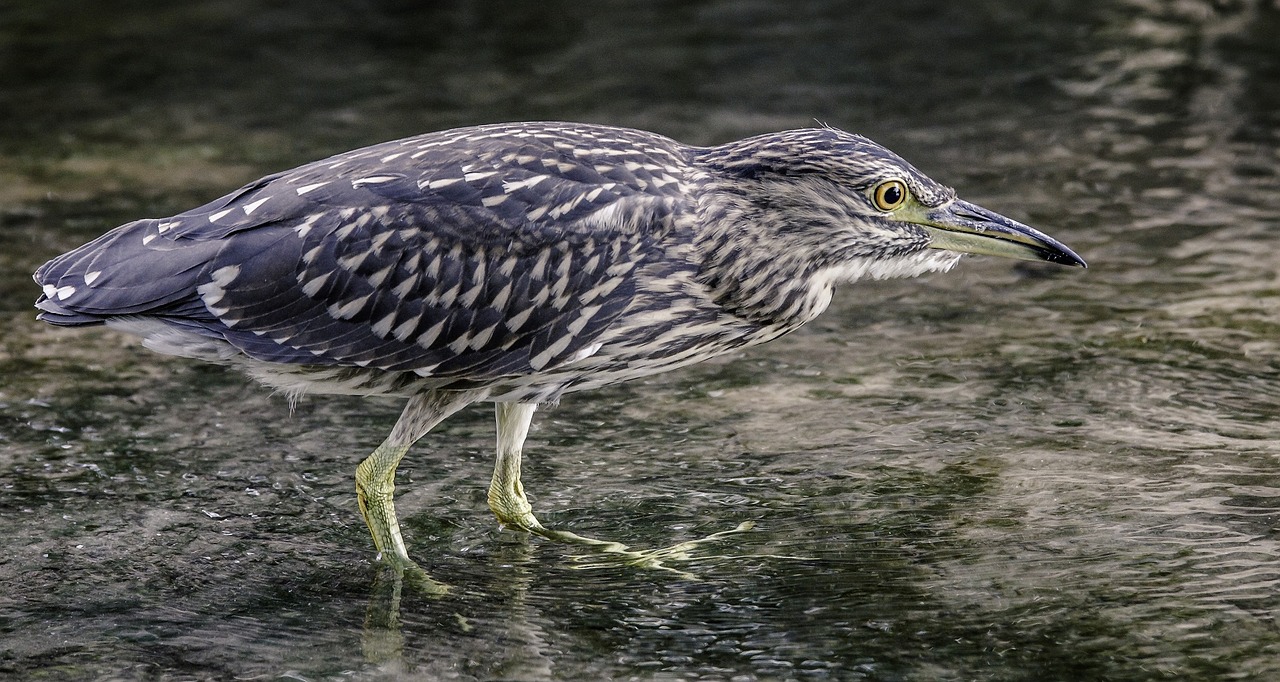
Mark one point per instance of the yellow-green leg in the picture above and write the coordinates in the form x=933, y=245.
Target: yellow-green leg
x=375, y=477
x=375, y=486
x=506, y=493
x=509, y=504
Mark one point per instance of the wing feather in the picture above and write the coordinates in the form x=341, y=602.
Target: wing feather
x=473, y=258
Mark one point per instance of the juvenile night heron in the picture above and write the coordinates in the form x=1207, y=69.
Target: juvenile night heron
x=517, y=263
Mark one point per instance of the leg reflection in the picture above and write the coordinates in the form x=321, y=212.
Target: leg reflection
x=382, y=642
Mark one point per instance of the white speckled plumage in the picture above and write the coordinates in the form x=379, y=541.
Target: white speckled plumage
x=513, y=263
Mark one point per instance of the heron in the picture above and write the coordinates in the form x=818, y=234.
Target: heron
x=515, y=264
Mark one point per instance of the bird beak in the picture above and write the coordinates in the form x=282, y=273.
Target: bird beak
x=961, y=226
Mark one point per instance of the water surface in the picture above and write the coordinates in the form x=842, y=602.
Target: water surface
x=1007, y=472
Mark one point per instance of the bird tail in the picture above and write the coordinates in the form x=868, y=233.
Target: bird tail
x=118, y=274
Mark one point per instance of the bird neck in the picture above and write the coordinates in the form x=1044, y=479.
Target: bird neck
x=753, y=273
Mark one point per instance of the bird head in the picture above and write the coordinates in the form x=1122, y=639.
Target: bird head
x=829, y=206
x=870, y=200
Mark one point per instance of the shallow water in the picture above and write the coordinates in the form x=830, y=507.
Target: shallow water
x=1006, y=472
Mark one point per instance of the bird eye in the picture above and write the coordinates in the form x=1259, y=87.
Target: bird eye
x=890, y=194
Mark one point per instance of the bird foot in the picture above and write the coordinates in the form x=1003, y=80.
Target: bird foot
x=608, y=553
x=405, y=571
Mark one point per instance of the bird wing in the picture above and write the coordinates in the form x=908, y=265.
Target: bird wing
x=473, y=258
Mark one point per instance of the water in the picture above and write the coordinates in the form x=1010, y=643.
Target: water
x=1008, y=472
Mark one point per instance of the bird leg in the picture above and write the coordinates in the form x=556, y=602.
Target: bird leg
x=506, y=493
x=509, y=504
x=375, y=477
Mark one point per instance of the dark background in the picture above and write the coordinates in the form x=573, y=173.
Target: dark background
x=1007, y=472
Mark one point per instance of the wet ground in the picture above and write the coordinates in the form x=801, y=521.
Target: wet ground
x=1007, y=472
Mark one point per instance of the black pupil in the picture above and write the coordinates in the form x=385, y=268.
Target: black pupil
x=892, y=195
